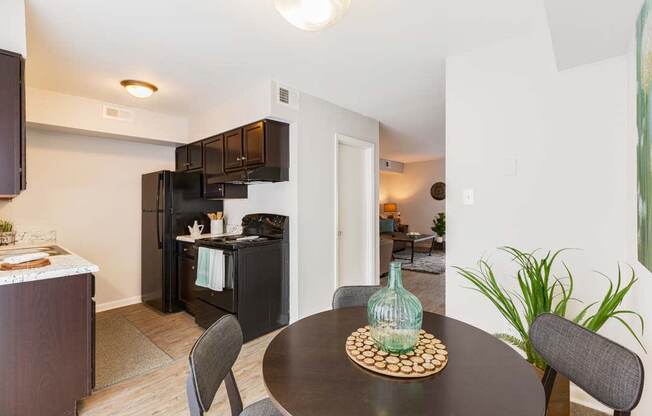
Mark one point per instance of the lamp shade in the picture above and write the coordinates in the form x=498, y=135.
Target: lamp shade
x=390, y=207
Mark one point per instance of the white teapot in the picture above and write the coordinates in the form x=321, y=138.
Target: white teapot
x=196, y=229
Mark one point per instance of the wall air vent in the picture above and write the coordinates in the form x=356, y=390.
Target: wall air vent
x=117, y=113
x=287, y=96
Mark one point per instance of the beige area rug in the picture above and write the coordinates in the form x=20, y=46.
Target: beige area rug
x=122, y=352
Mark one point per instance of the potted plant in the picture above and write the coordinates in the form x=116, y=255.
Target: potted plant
x=440, y=227
x=7, y=233
x=541, y=291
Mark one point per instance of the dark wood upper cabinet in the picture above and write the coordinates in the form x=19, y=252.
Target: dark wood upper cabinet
x=189, y=157
x=257, y=152
x=214, y=158
x=214, y=186
x=12, y=124
x=181, y=158
x=233, y=150
x=195, y=156
x=254, y=144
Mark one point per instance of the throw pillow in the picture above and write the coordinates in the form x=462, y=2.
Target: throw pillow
x=386, y=225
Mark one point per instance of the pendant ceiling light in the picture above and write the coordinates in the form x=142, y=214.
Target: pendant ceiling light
x=312, y=14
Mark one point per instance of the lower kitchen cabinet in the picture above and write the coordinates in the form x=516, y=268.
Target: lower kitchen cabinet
x=187, y=275
x=47, y=341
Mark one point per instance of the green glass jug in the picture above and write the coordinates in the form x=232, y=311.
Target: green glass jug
x=395, y=315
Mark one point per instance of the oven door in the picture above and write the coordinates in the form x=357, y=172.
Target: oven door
x=226, y=299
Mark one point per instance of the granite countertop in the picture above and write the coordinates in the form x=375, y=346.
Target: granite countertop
x=190, y=239
x=61, y=265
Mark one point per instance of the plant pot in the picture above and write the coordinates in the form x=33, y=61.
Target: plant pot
x=439, y=239
x=559, y=404
x=7, y=238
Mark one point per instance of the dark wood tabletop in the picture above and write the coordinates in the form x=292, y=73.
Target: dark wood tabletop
x=415, y=238
x=307, y=373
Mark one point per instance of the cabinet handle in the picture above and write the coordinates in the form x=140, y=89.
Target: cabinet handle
x=185, y=249
x=243, y=158
x=238, y=159
x=192, y=267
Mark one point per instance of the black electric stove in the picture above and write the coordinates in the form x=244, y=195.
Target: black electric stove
x=257, y=230
x=256, y=267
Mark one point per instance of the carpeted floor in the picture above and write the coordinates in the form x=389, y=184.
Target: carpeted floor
x=122, y=352
x=423, y=263
x=431, y=290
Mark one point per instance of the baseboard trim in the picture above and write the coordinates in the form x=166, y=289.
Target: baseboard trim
x=117, y=304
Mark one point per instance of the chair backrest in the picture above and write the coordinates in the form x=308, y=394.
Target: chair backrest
x=350, y=296
x=607, y=371
x=211, y=360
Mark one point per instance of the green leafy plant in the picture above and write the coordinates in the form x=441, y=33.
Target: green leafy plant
x=440, y=224
x=6, y=226
x=540, y=291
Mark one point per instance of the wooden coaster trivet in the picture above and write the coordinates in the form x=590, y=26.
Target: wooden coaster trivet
x=429, y=356
x=27, y=265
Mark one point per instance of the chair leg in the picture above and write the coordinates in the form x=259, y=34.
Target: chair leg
x=235, y=401
x=548, y=381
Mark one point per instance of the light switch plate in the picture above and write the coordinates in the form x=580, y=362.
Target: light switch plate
x=468, y=197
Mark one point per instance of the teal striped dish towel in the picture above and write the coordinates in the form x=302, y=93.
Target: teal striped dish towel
x=210, y=269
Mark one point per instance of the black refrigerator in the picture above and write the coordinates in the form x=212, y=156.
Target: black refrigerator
x=171, y=202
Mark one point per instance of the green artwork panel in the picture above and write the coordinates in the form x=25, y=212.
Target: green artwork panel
x=644, y=124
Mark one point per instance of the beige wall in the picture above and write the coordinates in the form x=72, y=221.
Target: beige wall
x=55, y=111
x=88, y=190
x=411, y=191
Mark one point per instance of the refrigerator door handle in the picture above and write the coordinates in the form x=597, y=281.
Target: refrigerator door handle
x=158, y=212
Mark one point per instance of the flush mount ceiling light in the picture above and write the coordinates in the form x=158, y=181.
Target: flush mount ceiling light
x=140, y=89
x=312, y=14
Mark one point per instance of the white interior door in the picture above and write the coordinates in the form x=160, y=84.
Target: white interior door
x=354, y=169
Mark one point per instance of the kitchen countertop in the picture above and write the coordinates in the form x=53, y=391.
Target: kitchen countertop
x=62, y=265
x=189, y=239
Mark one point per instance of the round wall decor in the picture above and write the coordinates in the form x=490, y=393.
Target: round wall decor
x=438, y=191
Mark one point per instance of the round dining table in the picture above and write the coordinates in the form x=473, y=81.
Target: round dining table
x=307, y=373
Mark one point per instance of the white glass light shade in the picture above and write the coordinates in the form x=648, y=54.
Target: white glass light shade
x=312, y=14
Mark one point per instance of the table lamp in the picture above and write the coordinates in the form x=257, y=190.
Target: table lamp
x=390, y=209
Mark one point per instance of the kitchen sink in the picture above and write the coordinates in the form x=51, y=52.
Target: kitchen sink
x=52, y=250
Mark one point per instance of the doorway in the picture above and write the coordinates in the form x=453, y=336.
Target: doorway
x=355, y=211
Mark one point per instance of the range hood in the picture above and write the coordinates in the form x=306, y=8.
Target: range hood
x=262, y=174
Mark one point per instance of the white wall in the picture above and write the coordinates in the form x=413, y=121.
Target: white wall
x=411, y=191
x=89, y=190
x=307, y=198
x=56, y=111
x=571, y=134
x=317, y=122
x=13, y=36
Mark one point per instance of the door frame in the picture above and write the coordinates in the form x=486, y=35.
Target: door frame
x=370, y=208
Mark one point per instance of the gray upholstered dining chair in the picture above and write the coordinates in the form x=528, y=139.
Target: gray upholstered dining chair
x=350, y=296
x=211, y=360
x=607, y=371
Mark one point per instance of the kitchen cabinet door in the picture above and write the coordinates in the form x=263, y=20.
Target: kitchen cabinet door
x=181, y=158
x=214, y=159
x=195, y=156
x=254, y=144
x=187, y=275
x=233, y=150
x=12, y=125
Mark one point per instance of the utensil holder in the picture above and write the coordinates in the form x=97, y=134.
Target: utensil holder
x=7, y=238
x=217, y=227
